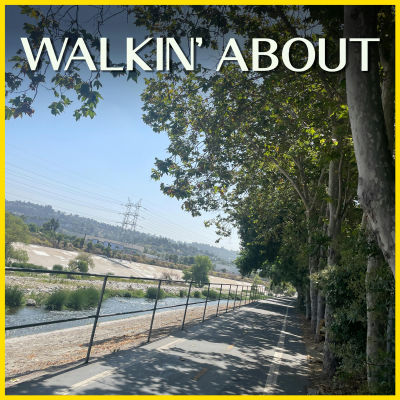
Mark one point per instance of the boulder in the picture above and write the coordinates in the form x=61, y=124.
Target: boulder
x=30, y=302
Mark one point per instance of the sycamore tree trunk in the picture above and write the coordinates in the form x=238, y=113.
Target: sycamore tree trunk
x=320, y=315
x=376, y=183
x=313, y=267
x=334, y=227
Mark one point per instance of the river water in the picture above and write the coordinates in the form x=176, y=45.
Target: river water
x=30, y=315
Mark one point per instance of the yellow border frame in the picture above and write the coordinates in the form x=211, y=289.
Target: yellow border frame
x=189, y=2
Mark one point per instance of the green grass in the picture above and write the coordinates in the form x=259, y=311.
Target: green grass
x=14, y=296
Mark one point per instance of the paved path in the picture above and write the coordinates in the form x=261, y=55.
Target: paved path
x=257, y=349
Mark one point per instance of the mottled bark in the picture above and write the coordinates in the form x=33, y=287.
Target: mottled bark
x=376, y=183
x=335, y=194
x=387, y=58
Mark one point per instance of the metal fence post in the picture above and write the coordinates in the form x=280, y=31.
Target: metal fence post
x=95, y=320
x=154, y=311
x=187, y=302
x=241, y=295
x=229, y=294
x=220, y=290
x=234, y=303
x=205, y=305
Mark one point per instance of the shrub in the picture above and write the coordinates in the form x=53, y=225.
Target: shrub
x=213, y=295
x=14, y=296
x=82, y=298
x=183, y=293
x=204, y=292
x=58, y=267
x=56, y=300
x=26, y=265
x=151, y=293
x=196, y=294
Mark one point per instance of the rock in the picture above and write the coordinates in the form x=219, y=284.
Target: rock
x=30, y=302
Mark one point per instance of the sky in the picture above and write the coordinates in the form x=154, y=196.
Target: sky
x=91, y=167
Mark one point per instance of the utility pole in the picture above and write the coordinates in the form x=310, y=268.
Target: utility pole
x=129, y=222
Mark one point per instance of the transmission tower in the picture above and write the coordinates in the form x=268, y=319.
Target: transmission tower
x=131, y=216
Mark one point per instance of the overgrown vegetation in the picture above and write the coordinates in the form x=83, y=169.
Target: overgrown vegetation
x=14, y=296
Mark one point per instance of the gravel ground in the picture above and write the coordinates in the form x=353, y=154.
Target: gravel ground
x=38, y=285
x=28, y=357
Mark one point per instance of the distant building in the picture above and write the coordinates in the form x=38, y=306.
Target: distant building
x=114, y=245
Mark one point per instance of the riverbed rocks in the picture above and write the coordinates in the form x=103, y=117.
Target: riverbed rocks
x=45, y=284
x=30, y=302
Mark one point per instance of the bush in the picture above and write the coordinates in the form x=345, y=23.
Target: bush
x=196, y=294
x=183, y=293
x=26, y=265
x=14, y=296
x=204, y=292
x=56, y=300
x=213, y=295
x=79, y=299
x=82, y=298
x=58, y=267
x=151, y=293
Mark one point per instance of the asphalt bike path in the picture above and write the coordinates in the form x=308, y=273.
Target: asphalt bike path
x=254, y=350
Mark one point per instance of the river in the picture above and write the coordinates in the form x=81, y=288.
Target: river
x=29, y=315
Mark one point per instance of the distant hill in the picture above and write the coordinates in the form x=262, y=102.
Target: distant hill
x=73, y=224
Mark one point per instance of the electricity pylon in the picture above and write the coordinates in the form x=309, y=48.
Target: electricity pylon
x=131, y=216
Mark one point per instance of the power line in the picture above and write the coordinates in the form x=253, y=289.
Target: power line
x=155, y=229
x=195, y=236
x=114, y=201
x=91, y=179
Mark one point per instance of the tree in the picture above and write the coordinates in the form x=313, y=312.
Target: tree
x=199, y=271
x=59, y=237
x=81, y=266
x=32, y=228
x=81, y=261
x=89, y=247
x=257, y=282
x=15, y=231
x=51, y=225
x=376, y=184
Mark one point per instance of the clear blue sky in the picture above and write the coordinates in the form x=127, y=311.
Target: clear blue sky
x=110, y=156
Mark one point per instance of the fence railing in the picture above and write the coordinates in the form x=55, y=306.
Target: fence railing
x=255, y=293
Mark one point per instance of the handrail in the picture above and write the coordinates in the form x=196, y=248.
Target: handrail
x=252, y=296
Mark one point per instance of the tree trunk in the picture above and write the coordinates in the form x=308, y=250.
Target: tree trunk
x=376, y=183
x=300, y=298
x=329, y=365
x=387, y=58
x=320, y=315
x=313, y=265
x=308, y=314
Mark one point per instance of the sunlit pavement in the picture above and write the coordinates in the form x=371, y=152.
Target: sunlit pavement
x=254, y=350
